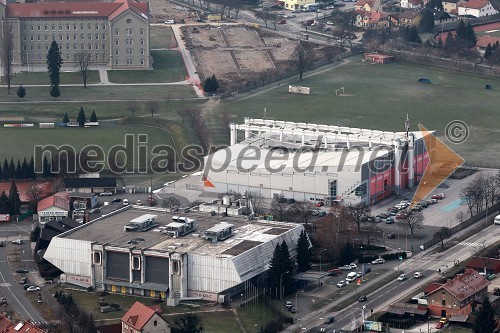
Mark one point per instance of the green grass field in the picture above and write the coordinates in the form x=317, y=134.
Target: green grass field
x=162, y=38
x=380, y=96
x=168, y=66
x=33, y=78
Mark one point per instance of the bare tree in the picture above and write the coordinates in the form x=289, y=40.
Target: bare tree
x=264, y=15
x=371, y=233
x=133, y=107
x=170, y=202
x=7, y=51
x=198, y=124
x=256, y=200
x=274, y=19
x=302, y=56
x=153, y=107
x=358, y=211
x=279, y=208
x=334, y=231
x=414, y=221
x=82, y=60
x=302, y=212
x=460, y=216
x=442, y=234
x=344, y=26
x=236, y=5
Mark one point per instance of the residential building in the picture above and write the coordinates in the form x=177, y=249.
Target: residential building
x=441, y=16
x=481, y=264
x=458, y=295
x=476, y=8
x=80, y=200
x=368, y=5
x=376, y=20
x=409, y=4
x=451, y=6
x=410, y=17
x=8, y=326
x=90, y=185
x=296, y=4
x=143, y=319
x=115, y=33
x=56, y=207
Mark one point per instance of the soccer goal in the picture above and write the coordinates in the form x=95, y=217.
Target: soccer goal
x=337, y=91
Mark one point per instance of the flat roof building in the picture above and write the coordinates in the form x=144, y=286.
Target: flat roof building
x=152, y=261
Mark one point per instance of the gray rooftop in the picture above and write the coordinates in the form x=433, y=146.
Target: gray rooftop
x=108, y=230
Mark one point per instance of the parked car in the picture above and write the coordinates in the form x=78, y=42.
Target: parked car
x=341, y=284
x=125, y=202
x=346, y=268
x=329, y=320
x=33, y=288
x=95, y=210
x=389, y=220
x=320, y=204
x=329, y=22
x=438, y=196
x=290, y=201
x=4, y=301
x=27, y=285
x=441, y=323
x=383, y=215
x=21, y=270
x=23, y=281
x=17, y=241
x=378, y=261
x=391, y=236
x=321, y=214
x=326, y=29
x=115, y=200
x=401, y=215
x=353, y=265
x=106, y=193
x=402, y=277
x=138, y=202
x=362, y=299
x=377, y=219
x=296, y=11
x=288, y=304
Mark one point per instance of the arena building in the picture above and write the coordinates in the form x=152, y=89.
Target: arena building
x=114, y=33
x=317, y=163
x=151, y=252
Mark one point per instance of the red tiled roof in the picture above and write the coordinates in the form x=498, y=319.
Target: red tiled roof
x=75, y=9
x=363, y=2
x=466, y=284
x=474, y=4
x=25, y=327
x=431, y=287
x=5, y=323
x=409, y=14
x=443, y=36
x=480, y=263
x=60, y=200
x=138, y=315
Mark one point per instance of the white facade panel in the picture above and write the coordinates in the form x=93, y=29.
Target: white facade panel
x=70, y=255
x=211, y=274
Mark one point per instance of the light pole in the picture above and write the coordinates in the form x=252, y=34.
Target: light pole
x=281, y=284
x=363, y=316
x=399, y=257
x=320, y=255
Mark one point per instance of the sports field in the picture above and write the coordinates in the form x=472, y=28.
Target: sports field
x=379, y=97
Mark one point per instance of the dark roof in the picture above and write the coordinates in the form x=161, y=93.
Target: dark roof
x=81, y=195
x=465, y=285
x=431, y=287
x=89, y=182
x=410, y=14
x=62, y=225
x=480, y=263
x=441, y=15
x=403, y=308
x=47, y=234
x=458, y=318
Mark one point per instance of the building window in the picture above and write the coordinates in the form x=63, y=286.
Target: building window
x=24, y=27
x=155, y=323
x=90, y=46
x=129, y=32
x=97, y=56
x=46, y=47
x=117, y=42
x=443, y=302
x=38, y=37
x=24, y=38
x=32, y=28
x=96, y=36
x=89, y=36
x=67, y=37
x=46, y=27
x=117, y=52
x=103, y=26
x=97, y=26
x=96, y=46
x=104, y=46
x=67, y=56
x=97, y=258
x=141, y=31
x=141, y=41
x=103, y=36
x=67, y=46
x=142, y=51
x=53, y=27
x=24, y=48
x=142, y=61
x=129, y=21
x=116, y=62
x=60, y=37
x=82, y=36
x=82, y=46
x=82, y=26
x=75, y=46
x=117, y=32
x=60, y=27
x=46, y=37
x=74, y=26
x=89, y=26
x=31, y=47
x=67, y=26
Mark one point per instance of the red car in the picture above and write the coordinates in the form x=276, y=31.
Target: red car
x=438, y=196
x=320, y=204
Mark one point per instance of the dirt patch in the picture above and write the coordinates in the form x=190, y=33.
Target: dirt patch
x=241, y=55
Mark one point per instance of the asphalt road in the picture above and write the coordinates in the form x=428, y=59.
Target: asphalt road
x=425, y=262
x=9, y=286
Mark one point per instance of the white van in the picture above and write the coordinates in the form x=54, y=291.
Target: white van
x=496, y=220
x=351, y=276
x=125, y=202
x=417, y=275
x=169, y=22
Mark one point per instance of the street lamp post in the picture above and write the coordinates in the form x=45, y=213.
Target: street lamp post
x=281, y=284
x=399, y=257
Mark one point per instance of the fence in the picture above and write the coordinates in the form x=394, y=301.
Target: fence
x=490, y=213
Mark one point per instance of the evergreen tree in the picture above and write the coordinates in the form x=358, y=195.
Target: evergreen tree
x=66, y=118
x=19, y=170
x=275, y=268
x=81, y=117
x=215, y=82
x=413, y=35
x=449, y=42
x=427, y=22
x=488, y=52
x=46, y=172
x=440, y=43
x=14, y=200
x=5, y=169
x=470, y=35
x=54, y=91
x=54, y=62
x=435, y=4
x=31, y=169
x=25, y=172
x=12, y=169
x=287, y=269
x=461, y=30
x=93, y=117
x=189, y=323
x=4, y=203
x=347, y=253
x=304, y=253
x=485, y=321
x=21, y=92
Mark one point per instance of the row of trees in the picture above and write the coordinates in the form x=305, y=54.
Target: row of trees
x=482, y=192
x=21, y=170
x=81, y=118
x=211, y=84
x=10, y=204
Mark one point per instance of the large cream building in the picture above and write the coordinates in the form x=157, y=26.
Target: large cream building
x=113, y=33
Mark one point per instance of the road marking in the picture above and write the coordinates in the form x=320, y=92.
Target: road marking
x=469, y=244
x=21, y=304
x=5, y=284
x=452, y=206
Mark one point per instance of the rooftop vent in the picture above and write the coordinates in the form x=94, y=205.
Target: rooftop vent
x=141, y=223
x=135, y=241
x=183, y=227
x=219, y=232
